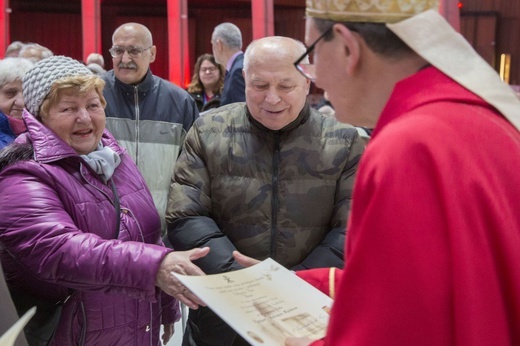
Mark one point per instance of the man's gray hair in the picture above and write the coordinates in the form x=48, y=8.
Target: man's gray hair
x=14, y=46
x=44, y=51
x=95, y=58
x=228, y=33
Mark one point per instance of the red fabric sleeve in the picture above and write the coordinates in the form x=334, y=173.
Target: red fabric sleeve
x=322, y=278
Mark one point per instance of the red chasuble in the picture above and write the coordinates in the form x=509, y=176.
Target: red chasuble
x=433, y=249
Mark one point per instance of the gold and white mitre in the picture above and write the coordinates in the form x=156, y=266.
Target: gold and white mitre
x=432, y=37
x=374, y=11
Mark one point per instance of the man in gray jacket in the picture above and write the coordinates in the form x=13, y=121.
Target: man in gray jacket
x=270, y=177
x=149, y=116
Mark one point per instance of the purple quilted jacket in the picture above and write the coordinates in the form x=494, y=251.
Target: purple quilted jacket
x=57, y=229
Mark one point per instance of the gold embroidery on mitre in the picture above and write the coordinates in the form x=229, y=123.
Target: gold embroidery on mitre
x=377, y=11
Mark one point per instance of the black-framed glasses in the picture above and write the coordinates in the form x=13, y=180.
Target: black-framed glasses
x=308, y=70
x=134, y=52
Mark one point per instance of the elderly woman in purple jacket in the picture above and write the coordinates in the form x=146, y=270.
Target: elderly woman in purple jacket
x=78, y=226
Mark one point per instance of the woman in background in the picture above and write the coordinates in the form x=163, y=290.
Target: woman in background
x=207, y=83
x=12, y=71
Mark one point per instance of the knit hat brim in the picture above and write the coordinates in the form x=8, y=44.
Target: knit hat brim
x=37, y=82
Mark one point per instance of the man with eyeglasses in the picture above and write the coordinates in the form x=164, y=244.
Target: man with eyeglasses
x=148, y=115
x=432, y=252
x=271, y=177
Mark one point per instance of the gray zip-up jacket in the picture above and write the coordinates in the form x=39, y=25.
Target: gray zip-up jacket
x=150, y=120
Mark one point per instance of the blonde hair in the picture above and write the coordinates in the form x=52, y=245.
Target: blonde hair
x=80, y=84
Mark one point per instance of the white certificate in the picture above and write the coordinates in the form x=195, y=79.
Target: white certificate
x=265, y=303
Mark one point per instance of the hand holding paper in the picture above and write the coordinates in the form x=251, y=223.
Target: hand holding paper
x=180, y=262
x=244, y=260
x=265, y=303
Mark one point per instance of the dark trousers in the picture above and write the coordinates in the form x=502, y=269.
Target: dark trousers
x=205, y=328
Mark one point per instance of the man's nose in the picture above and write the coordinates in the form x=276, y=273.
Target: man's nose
x=126, y=57
x=272, y=96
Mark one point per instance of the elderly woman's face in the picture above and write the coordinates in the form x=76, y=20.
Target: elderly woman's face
x=11, y=99
x=79, y=120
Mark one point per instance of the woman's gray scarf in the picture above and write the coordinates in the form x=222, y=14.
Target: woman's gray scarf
x=103, y=161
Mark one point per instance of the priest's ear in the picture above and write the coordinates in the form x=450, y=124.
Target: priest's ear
x=351, y=46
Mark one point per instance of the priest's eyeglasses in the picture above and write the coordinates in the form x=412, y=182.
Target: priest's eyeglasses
x=134, y=52
x=308, y=70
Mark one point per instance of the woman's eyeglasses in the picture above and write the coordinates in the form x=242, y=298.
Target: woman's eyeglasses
x=207, y=69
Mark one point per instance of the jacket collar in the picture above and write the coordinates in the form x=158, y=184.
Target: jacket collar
x=48, y=147
x=234, y=58
x=302, y=118
x=142, y=87
x=5, y=129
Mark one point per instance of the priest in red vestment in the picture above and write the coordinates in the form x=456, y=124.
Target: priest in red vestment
x=433, y=249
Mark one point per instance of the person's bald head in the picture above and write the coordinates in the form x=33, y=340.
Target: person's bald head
x=134, y=50
x=135, y=30
x=276, y=92
x=283, y=49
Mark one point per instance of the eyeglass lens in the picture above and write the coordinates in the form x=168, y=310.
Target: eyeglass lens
x=208, y=69
x=134, y=52
x=308, y=70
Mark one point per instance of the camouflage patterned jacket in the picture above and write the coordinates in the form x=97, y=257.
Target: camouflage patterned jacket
x=282, y=194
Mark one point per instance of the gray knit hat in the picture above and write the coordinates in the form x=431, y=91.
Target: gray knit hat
x=37, y=82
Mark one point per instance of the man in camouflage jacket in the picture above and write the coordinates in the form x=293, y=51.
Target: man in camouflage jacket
x=271, y=177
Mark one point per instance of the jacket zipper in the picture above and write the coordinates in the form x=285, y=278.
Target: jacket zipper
x=150, y=325
x=274, y=197
x=137, y=119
